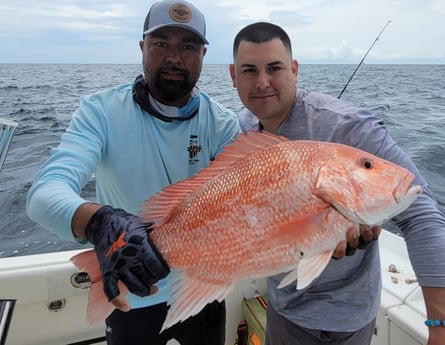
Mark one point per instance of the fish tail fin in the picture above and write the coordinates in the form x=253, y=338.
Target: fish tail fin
x=188, y=296
x=98, y=307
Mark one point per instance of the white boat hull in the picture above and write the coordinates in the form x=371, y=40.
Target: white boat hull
x=50, y=310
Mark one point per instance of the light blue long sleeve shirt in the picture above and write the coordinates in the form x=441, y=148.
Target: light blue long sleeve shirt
x=348, y=290
x=131, y=154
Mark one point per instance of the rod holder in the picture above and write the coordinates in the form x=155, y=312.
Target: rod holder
x=7, y=129
x=6, y=309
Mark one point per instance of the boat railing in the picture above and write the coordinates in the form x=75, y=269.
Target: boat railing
x=7, y=129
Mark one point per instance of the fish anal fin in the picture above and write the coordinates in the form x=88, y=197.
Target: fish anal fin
x=188, y=296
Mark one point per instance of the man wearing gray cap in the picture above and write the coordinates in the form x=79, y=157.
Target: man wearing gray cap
x=136, y=139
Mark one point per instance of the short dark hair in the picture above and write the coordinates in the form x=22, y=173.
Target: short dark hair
x=261, y=32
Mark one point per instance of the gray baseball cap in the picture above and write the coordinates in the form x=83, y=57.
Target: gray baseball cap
x=177, y=13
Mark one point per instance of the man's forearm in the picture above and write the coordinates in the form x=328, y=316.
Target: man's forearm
x=81, y=217
x=435, y=308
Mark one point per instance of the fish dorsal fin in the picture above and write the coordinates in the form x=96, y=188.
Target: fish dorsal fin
x=159, y=206
x=243, y=145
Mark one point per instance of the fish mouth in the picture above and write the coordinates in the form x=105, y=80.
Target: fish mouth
x=404, y=195
x=404, y=190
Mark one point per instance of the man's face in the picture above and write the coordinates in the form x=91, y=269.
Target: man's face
x=172, y=60
x=265, y=76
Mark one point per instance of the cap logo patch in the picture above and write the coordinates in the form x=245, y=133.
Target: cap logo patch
x=180, y=13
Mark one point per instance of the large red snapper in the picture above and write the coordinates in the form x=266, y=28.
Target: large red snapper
x=266, y=205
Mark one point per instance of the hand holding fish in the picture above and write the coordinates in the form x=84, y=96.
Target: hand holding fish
x=356, y=240
x=124, y=252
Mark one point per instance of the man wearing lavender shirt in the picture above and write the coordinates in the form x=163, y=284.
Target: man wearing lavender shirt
x=341, y=305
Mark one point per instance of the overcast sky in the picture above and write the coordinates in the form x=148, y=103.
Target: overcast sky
x=322, y=31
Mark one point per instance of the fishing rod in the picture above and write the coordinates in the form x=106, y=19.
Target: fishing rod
x=363, y=59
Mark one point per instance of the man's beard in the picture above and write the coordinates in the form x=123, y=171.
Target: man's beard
x=170, y=90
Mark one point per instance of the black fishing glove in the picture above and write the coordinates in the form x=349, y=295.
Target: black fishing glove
x=124, y=251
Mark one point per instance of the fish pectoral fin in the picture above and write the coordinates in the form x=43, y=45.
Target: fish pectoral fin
x=310, y=268
x=188, y=296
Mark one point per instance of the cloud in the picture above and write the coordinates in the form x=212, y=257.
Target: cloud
x=322, y=31
x=341, y=52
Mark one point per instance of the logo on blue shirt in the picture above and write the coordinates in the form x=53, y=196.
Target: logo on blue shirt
x=193, y=149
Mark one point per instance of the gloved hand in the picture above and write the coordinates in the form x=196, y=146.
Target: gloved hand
x=124, y=251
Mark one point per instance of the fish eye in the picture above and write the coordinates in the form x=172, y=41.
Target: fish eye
x=367, y=164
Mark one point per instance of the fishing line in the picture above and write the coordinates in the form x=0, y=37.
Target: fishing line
x=363, y=59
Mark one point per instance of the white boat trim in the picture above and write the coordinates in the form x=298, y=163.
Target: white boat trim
x=50, y=310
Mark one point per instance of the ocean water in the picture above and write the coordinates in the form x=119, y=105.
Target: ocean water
x=42, y=97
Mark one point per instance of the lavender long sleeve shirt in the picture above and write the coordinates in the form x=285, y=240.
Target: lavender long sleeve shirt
x=348, y=290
